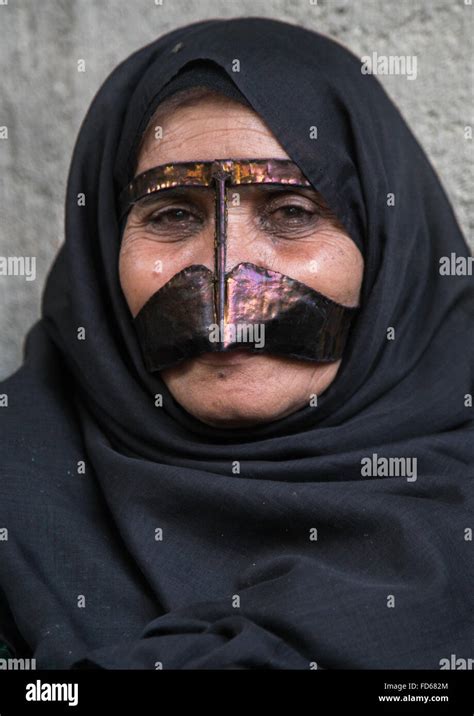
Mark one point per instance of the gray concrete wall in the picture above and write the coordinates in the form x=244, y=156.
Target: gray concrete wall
x=43, y=100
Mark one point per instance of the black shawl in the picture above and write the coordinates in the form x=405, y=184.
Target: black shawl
x=91, y=470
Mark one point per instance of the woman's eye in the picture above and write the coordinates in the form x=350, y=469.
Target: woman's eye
x=292, y=211
x=288, y=218
x=174, y=216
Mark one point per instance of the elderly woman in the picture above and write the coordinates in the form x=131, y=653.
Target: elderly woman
x=242, y=435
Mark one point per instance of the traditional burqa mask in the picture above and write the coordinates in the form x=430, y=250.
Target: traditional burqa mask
x=199, y=311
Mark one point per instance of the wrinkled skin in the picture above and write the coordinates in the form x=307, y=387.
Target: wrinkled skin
x=283, y=230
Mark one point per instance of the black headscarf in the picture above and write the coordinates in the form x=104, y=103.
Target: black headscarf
x=132, y=541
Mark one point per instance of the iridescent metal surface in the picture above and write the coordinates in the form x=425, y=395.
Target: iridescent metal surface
x=175, y=323
x=235, y=171
x=178, y=322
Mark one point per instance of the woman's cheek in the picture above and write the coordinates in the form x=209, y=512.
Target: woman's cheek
x=331, y=267
x=140, y=272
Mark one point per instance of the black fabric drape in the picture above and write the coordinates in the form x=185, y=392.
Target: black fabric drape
x=91, y=470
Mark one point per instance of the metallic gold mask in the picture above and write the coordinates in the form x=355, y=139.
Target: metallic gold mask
x=176, y=323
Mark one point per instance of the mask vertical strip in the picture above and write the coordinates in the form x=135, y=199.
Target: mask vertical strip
x=220, y=177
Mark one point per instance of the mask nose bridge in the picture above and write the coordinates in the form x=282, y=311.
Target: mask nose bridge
x=221, y=175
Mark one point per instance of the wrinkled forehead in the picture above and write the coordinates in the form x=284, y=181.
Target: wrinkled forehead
x=223, y=172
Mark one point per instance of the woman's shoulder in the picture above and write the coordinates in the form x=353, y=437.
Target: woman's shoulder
x=12, y=644
x=41, y=437
x=37, y=400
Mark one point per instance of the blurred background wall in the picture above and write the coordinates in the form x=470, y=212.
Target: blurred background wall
x=43, y=100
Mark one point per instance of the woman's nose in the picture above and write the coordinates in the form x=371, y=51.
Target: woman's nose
x=243, y=241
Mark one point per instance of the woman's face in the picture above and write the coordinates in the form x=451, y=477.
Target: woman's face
x=281, y=229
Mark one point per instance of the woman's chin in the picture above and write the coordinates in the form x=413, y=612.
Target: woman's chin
x=238, y=414
x=239, y=389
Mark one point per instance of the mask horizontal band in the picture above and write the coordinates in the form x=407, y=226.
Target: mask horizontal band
x=235, y=172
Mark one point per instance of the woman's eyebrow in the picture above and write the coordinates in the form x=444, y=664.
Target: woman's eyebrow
x=175, y=192
x=287, y=189
x=283, y=189
x=191, y=192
